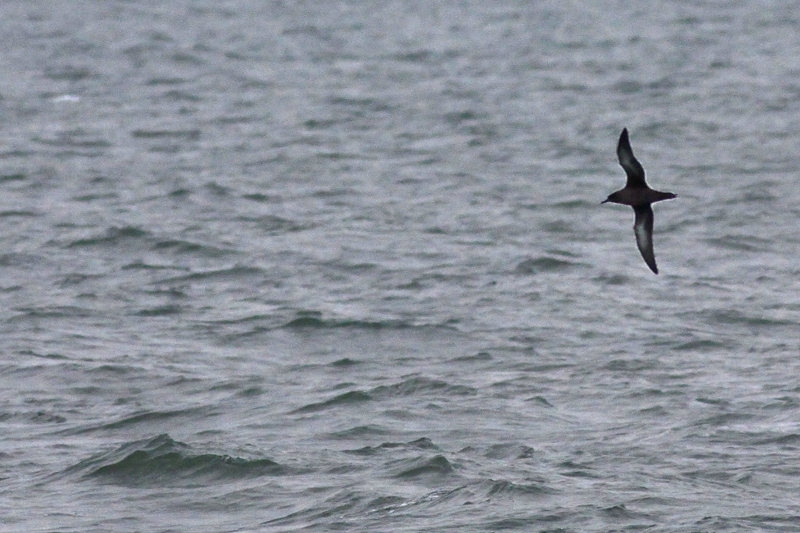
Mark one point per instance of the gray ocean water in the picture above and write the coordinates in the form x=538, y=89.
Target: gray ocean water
x=342, y=266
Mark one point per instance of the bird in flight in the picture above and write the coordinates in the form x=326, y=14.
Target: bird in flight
x=639, y=196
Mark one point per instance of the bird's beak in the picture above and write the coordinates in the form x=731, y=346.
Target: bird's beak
x=604, y=201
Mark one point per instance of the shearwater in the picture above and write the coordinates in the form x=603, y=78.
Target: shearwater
x=639, y=196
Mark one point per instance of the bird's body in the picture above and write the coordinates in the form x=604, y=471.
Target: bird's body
x=639, y=196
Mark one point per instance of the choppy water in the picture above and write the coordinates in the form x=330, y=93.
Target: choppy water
x=315, y=266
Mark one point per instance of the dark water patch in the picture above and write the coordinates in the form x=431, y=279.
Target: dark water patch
x=227, y=120
x=180, y=193
x=653, y=393
x=543, y=264
x=188, y=58
x=742, y=243
x=702, y=345
x=69, y=73
x=74, y=142
x=509, y=451
x=24, y=154
x=712, y=401
x=164, y=462
x=613, y=279
x=52, y=312
x=140, y=265
x=166, y=81
x=95, y=196
x=259, y=197
x=438, y=465
x=417, y=386
x=569, y=204
x=181, y=247
x=251, y=392
x=782, y=403
x=723, y=419
x=360, y=432
x=456, y=118
x=274, y=225
x=15, y=213
x=188, y=135
x=111, y=237
x=558, y=226
x=343, y=505
x=479, y=357
x=52, y=356
x=791, y=440
x=578, y=470
x=530, y=523
x=320, y=124
x=310, y=321
x=736, y=317
x=417, y=56
x=654, y=411
x=89, y=390
x=71, y=280
x=540, y=400
x=620, y=512
x=18, y=176
x=17, y=259
x=43, y=417
x=347, y=398
x=508, y=489
x=630, y=365
x=161, y=310
x=217, y=190
x=11, y=288
x=75, y=138
x=338, y=156
x=345, y=362
x=423, y=443
x=360, y=105
x=148, y=418
x=181, y=96
x=236, y=273
x=717, y=476
x=385, y=503
x=116, y=371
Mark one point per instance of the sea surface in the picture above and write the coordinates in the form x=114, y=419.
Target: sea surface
x=275, y=266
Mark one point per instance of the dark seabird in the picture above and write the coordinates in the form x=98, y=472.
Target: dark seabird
x=639, y=196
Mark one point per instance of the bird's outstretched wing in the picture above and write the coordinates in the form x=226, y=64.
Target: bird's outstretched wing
x=632, y=167
x=643, y=228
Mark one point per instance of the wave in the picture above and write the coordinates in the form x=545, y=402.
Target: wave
x=414, y=386
x=183, y=247
x=504, y=488
x=146, y=418
x=164, y=462
x=112, y=236
x=420, y=385
x=233, y=273
x=342, y=399
x=423, y=443
x=543, y=264
x=742, y=243
x=316, y=322
x=422, y=466
x=736, y=317
x=135, y=236
x=314, y=319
